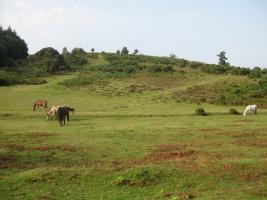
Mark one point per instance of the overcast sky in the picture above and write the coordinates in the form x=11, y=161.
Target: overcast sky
x=191, y=29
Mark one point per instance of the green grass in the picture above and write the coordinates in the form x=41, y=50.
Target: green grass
x=129, y=144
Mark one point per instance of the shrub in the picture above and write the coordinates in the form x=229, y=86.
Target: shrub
x=233, y=111
x=200, y=112
x=167, y=69
x=4, y=82
x=154, y=69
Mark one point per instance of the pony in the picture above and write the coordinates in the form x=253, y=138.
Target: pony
x=40, y=102
x=63, y=113
x=250, y=109
x=52, y=113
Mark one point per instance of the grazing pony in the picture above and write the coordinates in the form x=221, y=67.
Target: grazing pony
x=250, y=109
x=52, y=113
x=40, y=102
x=62, y=113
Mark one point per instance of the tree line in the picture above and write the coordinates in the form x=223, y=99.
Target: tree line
x=14, y=54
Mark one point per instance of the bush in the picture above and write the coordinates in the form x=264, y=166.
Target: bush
x=200, y=112
x=4, y=82
x=167, y=69
x=154, y=69
x=233, y=111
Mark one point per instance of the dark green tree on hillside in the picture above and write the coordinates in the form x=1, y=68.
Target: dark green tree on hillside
x=135, y=52
x=47, y=59
x=222, y=58
x=12, y=47
x=92, y=50
x=78, y=51
x=75, y=59
x=124, y=50
x=64, y=51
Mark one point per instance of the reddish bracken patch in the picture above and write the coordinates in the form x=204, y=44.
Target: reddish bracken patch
x=205, y=130
x=40, y=134
x=62, y=147
x=116, y=162
x=5, y=161
x=15, y=147
x=170, y=152
x=254, y=143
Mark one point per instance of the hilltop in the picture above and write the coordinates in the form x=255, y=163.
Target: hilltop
x=179, y=79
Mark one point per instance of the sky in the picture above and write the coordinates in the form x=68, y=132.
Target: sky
x=192, y=29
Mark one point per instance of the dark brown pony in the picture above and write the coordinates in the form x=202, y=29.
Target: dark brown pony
x=63, y=112
x=40, y=102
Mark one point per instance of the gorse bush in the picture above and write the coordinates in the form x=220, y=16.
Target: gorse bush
x=17, y=79
x=156, y=69
x=233, y=111
x=200, y=112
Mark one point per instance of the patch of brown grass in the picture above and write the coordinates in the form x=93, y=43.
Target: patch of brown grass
x=40, y=134
x=167, y=152
x=5, y=161
x=62, y=147
x=253, y=143
x=142, y=88
x=212, y=130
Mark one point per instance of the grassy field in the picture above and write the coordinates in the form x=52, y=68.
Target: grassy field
x=128, y=139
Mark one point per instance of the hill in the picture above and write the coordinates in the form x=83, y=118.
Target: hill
x=134, y=134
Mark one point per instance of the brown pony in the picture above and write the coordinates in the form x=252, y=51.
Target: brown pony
x=40, y=102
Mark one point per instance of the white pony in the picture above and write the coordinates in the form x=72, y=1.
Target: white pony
x=250, y=109
x=52, y=113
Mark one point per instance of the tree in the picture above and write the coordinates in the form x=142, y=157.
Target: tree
x=92, y=50
x=124, y=50
x=12, y=47
x=222, y=58
x=135, y=52
x=47, y=59
x=78, y=51
x=76, y=58
x=64, y=51
x=173, y=56
x=118, y=52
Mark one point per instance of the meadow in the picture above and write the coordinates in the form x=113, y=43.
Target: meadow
x=129, y=139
